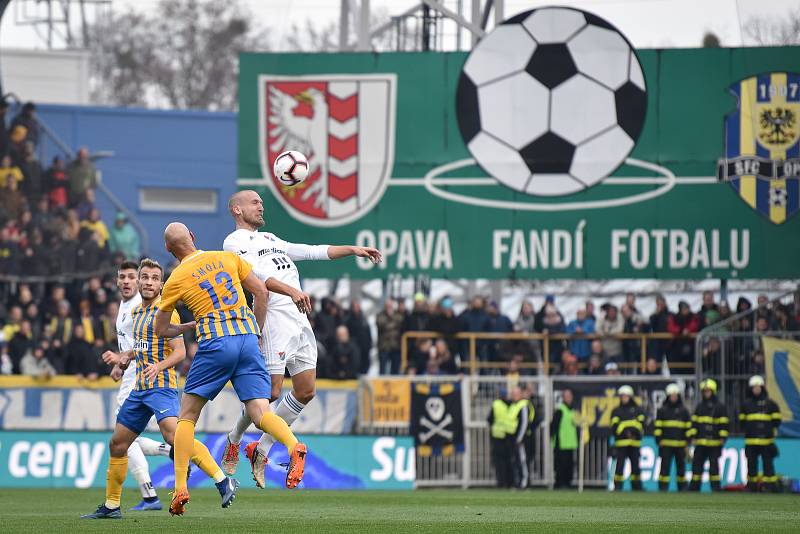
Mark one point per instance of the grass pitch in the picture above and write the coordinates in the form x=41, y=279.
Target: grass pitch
x=58, y=510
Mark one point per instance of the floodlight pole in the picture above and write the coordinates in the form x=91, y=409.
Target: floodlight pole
x=363, y=27
x=344, y=23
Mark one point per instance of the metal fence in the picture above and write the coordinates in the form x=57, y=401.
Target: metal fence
x=473, y=467
x=731, y=351
x=543, y=350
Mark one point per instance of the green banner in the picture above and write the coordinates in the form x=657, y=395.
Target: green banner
x=390, y=168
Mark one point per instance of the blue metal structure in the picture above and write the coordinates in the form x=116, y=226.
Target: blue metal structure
x=154, y=149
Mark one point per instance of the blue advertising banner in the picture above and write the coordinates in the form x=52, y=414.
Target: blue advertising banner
x=732, y=464
x=65, y=403
x=79, y=460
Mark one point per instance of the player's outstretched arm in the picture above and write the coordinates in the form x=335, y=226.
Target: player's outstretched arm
x=300, y=298
x=165, y=329
x=176, y=356
x=300, y=252
x=260, y=294
x=343, y=251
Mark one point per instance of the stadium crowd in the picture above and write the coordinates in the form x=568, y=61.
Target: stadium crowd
x=64, y=327
x=584, y=344
x=57, y=257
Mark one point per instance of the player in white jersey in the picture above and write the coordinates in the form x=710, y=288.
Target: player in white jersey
x=289, y=341
x=126, y=282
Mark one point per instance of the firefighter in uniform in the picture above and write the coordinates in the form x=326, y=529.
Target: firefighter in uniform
x=761, y=418
x=671, y=426
x=709, y=431
x=627, y=424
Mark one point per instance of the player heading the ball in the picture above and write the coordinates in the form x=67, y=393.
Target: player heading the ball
x=211, y=284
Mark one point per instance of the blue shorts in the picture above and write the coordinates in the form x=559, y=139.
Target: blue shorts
x=141, y=405
x=234, y=358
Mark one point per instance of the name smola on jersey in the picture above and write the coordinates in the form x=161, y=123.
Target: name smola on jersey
x=207, y=269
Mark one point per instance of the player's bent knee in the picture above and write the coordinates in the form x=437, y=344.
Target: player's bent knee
x=305, y=396
x=117, y=448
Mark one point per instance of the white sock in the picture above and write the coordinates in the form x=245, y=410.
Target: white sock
x=151, y=447
x=235, y=435
x=137, y=464
x=288, y=409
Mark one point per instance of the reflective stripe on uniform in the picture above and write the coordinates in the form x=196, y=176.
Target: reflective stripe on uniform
x=755, y=417
x=759, y=441
x=672, y=423
x=628, y=443
x=708, y=442
x=672, y=443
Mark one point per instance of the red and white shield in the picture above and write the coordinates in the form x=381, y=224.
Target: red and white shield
x=344, y=124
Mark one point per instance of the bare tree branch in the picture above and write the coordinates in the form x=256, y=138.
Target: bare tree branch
x=774, y=31
x=183, y=55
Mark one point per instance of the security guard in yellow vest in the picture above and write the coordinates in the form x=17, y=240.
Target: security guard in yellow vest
x=672, y=424
x=627, y=424
x=503, y=422
x=709, y=431
x=761, y=418
x=564, y=439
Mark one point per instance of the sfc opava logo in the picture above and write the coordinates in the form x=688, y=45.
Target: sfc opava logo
x=762, y=144
x=552, y=101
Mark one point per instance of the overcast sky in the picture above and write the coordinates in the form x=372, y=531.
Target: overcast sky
x=647, y=23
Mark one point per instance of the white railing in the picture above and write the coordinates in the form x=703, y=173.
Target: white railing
x=473, y=467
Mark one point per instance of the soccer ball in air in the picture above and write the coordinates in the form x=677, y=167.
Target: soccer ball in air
x=290, y=168
x=552, y=101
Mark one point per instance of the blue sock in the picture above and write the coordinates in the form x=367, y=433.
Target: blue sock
x=222, y=486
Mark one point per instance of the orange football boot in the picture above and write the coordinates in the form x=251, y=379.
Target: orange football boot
x=179, y=500
x=297, y=464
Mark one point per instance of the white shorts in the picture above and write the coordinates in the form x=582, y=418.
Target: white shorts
x=127, y=384
x=290, y=345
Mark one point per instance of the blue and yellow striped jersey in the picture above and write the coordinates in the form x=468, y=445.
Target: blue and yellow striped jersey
x=149, y=348
x=209, y=283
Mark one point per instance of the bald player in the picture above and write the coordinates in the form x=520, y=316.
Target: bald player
x=211, y=284
x=288, y=338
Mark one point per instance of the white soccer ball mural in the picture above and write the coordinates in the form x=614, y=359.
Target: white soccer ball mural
x=552, y=101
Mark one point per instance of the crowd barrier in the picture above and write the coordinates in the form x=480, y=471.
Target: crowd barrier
x=471, y=361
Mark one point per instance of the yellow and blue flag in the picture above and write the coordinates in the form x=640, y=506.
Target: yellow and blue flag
x=782, y=365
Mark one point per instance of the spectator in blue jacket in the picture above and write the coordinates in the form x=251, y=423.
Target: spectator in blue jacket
x=500, y=324
x=475, y=319
x=581, y=325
